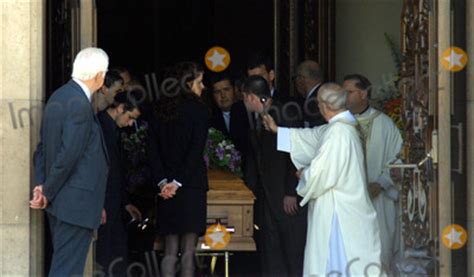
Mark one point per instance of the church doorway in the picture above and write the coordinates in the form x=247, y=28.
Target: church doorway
x=147, y=36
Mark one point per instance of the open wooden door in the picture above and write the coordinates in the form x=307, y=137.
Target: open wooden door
x=418, y=87
x=433, y=188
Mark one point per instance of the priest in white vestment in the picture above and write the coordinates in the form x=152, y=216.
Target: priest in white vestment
x=383, y=144
x=343, y=235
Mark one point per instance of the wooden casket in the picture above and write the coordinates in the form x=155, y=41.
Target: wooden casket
x=230, y=203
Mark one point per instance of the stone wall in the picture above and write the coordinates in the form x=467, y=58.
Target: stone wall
x=22, y=54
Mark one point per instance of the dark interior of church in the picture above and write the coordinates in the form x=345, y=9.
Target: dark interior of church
x=146, y=36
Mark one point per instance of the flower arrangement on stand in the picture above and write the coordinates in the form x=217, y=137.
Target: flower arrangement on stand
x=393, y=108
x=220, y=153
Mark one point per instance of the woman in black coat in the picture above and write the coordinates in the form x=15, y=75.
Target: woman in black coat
x=181, y=134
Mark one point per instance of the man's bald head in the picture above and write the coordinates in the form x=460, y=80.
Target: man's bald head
x=331, y=100
x=308, y=75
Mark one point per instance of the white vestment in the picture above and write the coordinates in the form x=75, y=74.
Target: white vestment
x=343, y=234
x=383, y=144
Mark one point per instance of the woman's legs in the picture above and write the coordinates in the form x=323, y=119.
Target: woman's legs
x=168, y=263
x=188, y=250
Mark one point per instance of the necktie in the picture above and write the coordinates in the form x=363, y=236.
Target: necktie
x=227, y=120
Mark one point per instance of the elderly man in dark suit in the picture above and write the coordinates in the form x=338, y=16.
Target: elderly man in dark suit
x=282, y=221
x=71, y=164
x=308, y=80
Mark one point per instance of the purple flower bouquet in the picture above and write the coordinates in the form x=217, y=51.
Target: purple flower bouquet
x=220, y=153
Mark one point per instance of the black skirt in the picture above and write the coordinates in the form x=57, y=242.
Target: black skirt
x=185, y=213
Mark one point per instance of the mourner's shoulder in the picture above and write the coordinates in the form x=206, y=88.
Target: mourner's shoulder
x=195, y=107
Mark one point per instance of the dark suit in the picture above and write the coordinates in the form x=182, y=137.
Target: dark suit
x=283, y=236
x=279, y=97
x=112, y=236
x=71, y=163
x=311, y=115
x=238, y=127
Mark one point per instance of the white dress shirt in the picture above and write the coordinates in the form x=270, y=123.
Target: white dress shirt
x=272, y=91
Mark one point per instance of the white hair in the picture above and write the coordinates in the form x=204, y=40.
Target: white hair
x=88, y=62
x=333, y=95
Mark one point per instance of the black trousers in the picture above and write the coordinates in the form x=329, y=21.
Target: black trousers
x=70, y=246
x=282, y=242
x=111, y=245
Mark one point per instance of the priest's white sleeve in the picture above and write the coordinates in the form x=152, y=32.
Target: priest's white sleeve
x=304, y=175
x=300, y=143
x=393, y=144
x=283, y=139
x=391, y=191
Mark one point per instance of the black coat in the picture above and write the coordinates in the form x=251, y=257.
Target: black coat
x=112, y=236
x=279, y=97
x=181, y=145
x=116, y=196
x=176, y=153
x=270, y=171
x=311, y=115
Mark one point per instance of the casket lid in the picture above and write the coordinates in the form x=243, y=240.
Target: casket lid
x=225, y=186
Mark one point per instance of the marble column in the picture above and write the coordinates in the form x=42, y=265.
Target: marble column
x=88, y=28
x=22, y=60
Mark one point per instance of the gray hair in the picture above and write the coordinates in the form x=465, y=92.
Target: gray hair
x=88, y=62
x=333, y=95
x=310, y=69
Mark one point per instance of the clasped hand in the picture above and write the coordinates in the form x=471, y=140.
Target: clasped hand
x=374, y=189
x=168, y=190
x=39, y=201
